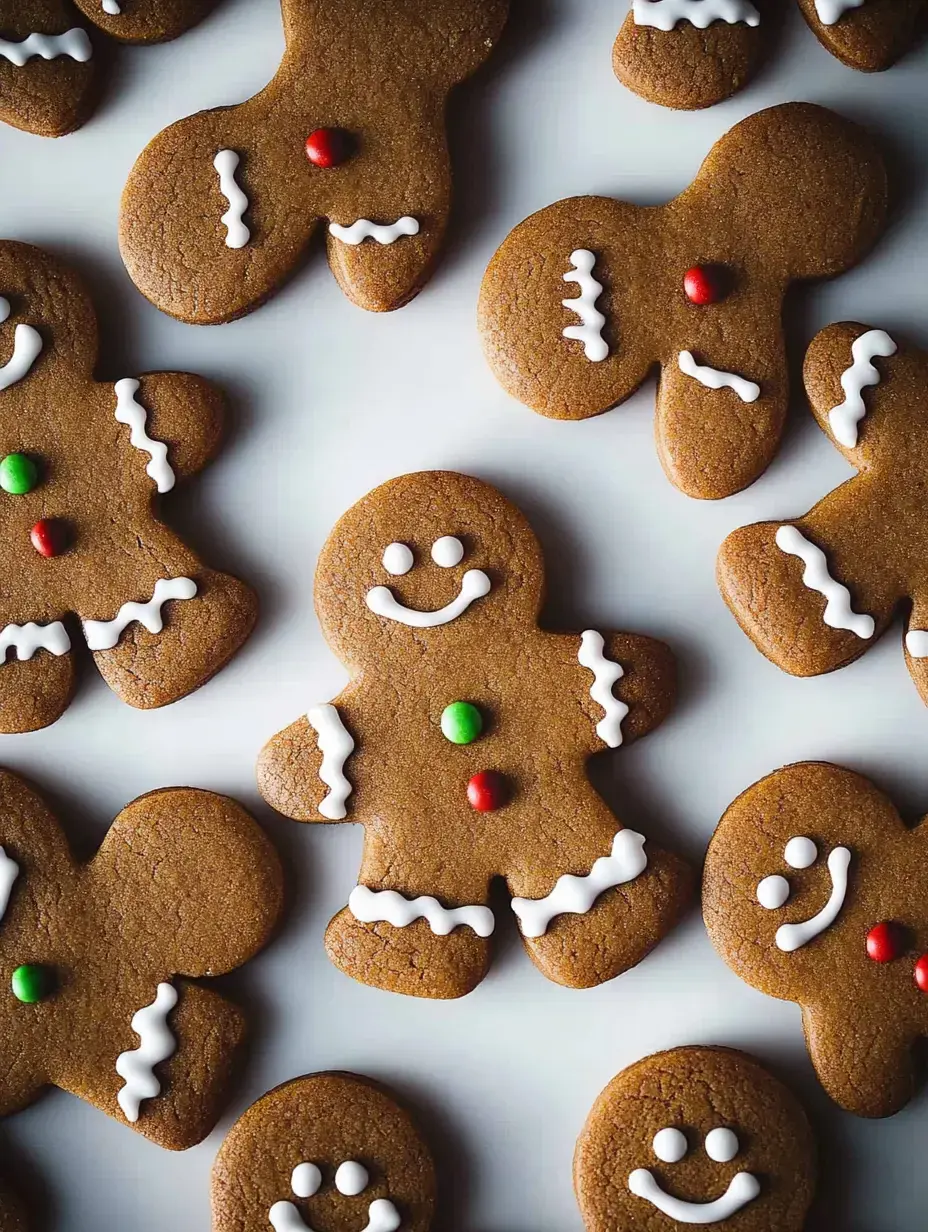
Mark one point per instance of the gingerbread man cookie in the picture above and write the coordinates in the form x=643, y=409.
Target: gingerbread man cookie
x=689, y=54
x=695, y=287
x=220, y=209
x=82, y=464
x=461, y=744
x=48, y=60
x=816, y=892
x=97, y=958
x=815, y=593
x=695, y=1136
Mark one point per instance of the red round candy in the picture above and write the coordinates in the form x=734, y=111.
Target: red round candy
x=921, y=973
x=48, y=537
x=327, y=147
x=486, y=791
x=703, y=285
x=884, y=942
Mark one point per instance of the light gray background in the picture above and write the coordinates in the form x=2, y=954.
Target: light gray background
x=330, y=401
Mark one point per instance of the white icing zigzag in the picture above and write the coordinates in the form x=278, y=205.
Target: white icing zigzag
x=9, y=871
x=156, y=1044
x=712, y=378
x=130, y=411
x=665, y=14
x=237, y=233
x=844, y=419
x=589, y=332
x=830, y=12
x=364, y=229
x=73, y=43
x=336, y=745
x=104, y=634
x=390, y=907
x=606, y=673
x=838, y=611
x=27, y=639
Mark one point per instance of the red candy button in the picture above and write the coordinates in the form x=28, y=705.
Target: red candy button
x=704, y=284
x=486, y=791
x=884, y=942
x=327, y=147
x=48, y=537
x=921, y=973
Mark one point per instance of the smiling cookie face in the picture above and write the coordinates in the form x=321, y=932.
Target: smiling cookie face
x=695, y=1136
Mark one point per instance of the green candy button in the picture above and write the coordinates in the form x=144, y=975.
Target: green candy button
x=461, y=723
x=18, y=474
x=31, y=983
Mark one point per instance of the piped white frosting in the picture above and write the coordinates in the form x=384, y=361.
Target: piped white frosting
x=838, y=612
x=592, y=321
x=390, y=907
x=130, y=411
x=75, y=44
x=364, y=229
x=156, y=1044
x=105, y=634
x=665, y=14
x=606, y=674
x=336, y=745
x=862, y=373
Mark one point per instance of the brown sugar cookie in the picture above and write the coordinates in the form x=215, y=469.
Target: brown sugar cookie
x=334, y=1152
x=220, y=209
x=98, y=958
x=82, y=464
x=48, y=58
x=461, y=744
x=586, y=298
x=816, y=892
x=816, y=592
x=696, y=1135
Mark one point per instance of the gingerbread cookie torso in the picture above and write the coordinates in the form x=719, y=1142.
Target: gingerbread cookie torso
x=815, y=593
x=97, y=959
x=816, y=892
x=461, y=744
x=47, y=57
x=221, y=207
x=586, y=298
x=82, y=464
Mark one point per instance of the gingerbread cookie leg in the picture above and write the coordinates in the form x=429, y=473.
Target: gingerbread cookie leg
x=36, y=674
x=46, y=67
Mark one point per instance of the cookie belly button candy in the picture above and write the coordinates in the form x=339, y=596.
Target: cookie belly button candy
x=221, y=208
x=82, y=467
x=464, y=735
x=585, y=299
x=815, y=891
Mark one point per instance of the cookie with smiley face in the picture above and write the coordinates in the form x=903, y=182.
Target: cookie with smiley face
x=816, y=892
x=695, y=1136
x=462, y=742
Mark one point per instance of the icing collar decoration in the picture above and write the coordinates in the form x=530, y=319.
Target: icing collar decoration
x=838, y=612
x=665, y=14
x=364, y=229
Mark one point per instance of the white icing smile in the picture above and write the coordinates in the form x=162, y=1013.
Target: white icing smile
x=447, y=552
x=774, y=892
x=27, y=347
x=743, y=1189
x=351, y=1179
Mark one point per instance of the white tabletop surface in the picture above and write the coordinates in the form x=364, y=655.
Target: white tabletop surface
x=330, y=401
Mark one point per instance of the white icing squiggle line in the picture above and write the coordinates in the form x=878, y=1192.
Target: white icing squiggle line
x=792, y=937
x=27, y=639
x=574, y=895
x=589, y=332
x=665, y=14
x=861, y=374
x=336, y=745
x=131, y=412
x=606, y=673
x=390, y=907
x=104, y=634
x=744, y=1188
x=364, y=229
x=156, y=1044
x=27, y=347
x=712, y=378
x=73, y=43
x=831, y=11
x=916, y=643
x=838, y=611
x=237, y=233
x=382, y=1216
x=9, y=871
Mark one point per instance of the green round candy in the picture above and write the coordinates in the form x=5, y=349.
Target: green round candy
x=30, y=983
x=18, y=474
x=461, y=723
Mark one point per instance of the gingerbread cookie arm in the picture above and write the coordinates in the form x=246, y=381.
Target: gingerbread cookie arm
x=36, y=674
x=309, y=770
x=145, y=21
x=46, y=68
x=870, y=35
x=174, y=417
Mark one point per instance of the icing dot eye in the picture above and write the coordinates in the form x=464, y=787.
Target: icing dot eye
x=773, y=892
x=351, y=1178
x=669, y=1145
x=800, y=853
x=447, y=551
x=722, y=1145
x=397, y=559
x=305, y=1180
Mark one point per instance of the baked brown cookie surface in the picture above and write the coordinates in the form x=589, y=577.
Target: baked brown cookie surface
x=98, y=959
x=461, y=744
x=696, y=1135
x=816, y=892
x=82, y=464
x=220, y=209
x=586, y=298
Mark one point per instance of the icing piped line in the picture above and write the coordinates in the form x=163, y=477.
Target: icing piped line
x=391, y=907
x=576, y=895
x=75, y=44
x=112, y=7
x=27, y=639
x=744, y=1188
x=237, y=233
x=665, y=14
x=156, y=1044
x=589, y=331
x=364, y=229
x=791, y=937
x=9, y=871
x=606, y=673
x=838, y=612
x=713, y=378
x=104, y=634
x=27, y=347
x=335, y=743
x=916, y=643
x=382, y=1216
x=131, y=412
x=831, y=11
x=382, y=602
x=862, y=373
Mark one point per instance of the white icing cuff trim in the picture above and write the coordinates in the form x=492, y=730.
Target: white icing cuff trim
x=391, y=907
x=589, y=331
x=713, y=378
x=831, y=11
x=364, y=229
x=916, y=643
x=131, y=412
x=791, y=937
x=844, y=419
x=156, y=1044
x=9, y=871
x=606, y=673
x=336, y=745
x=237, y=233
x=665, y=14
x=27, y=639
x=743, y=1189
x=105, y=634
x=838, y=612
x=73, y=43
x=474, y=585
x=27, y=347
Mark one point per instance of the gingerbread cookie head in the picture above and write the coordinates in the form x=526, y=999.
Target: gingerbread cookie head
x=83, y=465
x=220, y=209
x=98, y=959
x=587, y=297
x=815, y=892
x=334, y=1152
x=695, y=1136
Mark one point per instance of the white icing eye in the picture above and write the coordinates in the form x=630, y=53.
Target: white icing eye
x=305, y=1180
x=722, y=1145
x=397, y=559
x=669, y=1145
x=5, y=308
x=351, y=1178
x=773, y=892
x=800, y=853
x=447, y=551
